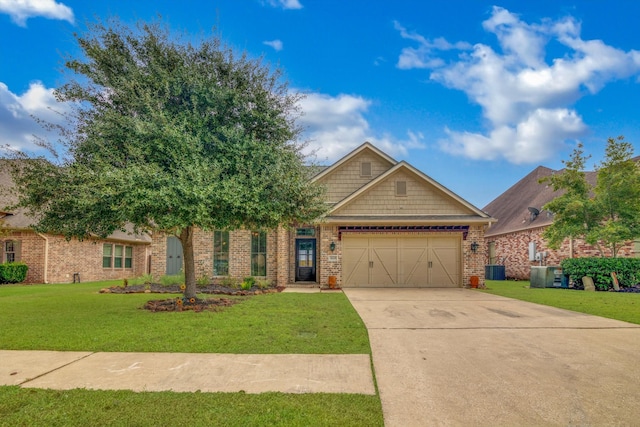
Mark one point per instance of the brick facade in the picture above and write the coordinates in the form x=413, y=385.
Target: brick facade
x=53, y=259
x=512, y=250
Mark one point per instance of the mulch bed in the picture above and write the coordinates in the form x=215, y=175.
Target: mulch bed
x=185, y=304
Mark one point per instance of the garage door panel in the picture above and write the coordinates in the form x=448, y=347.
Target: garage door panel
x=355, y=262
x=384, y=266
x=444, y=269
x=414, y=268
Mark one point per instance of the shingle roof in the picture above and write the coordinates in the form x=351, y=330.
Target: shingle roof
x=511, y=208
x=17, y=219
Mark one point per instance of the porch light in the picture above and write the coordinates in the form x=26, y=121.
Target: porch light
x=332, y=246
x=474, y=247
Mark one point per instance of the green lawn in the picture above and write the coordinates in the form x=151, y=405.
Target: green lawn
x=77, y=317
x=615, y=305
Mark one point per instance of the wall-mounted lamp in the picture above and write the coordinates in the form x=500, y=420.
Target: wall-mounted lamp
x=332, y=246
x=474, y=247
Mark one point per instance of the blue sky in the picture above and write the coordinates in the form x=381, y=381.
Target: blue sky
x=475, y=94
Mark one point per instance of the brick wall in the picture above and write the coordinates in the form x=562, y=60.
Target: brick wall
x=65, y=258
x=473, y=262
x=513, y=248
x=239, y=254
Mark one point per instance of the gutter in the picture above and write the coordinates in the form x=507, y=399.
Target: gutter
x=46, y=258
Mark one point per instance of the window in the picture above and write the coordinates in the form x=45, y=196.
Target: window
x=118, y=256
x=401, y=188
x=107, y=252
x=365, y=169
x=11, y=251
x=258, y=253
x=307, y=232
x=128, y=257
x=220, y=253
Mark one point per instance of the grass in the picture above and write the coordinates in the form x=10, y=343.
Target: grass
x=34, y=407
x=614, y=305
x=77, y=317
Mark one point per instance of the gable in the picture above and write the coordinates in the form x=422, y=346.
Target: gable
x=346, y=177
x=423, y=197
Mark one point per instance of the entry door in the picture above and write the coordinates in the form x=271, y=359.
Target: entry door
x=306, y=260
x=174, y=255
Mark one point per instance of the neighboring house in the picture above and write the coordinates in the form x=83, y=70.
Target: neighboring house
x=390, y=225
x=53, y=259
x=516, y=238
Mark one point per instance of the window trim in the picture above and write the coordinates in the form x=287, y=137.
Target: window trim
x=261, y=244
x=15, y=251
x=123, y=259
x=223, y=252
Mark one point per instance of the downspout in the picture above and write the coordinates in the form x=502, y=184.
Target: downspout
x=46, y=257
x=571, y=248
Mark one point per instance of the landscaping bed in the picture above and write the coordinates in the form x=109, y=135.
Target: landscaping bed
x=188, y=304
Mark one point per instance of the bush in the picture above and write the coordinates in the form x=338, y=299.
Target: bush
x=248, y=283
x=230, y=282
x=174, y=279
x=13, y=272
x=600, y=269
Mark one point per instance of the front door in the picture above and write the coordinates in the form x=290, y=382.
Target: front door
x=305, y=260
x=174, y=255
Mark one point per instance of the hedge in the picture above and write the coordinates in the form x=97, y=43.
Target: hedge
x=13, y=272
x=600, y=269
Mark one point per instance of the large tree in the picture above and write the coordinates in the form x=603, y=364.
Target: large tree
x=606, y=214
x=170, y=135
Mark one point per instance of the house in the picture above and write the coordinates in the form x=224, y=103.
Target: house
x=53, y=259
x=516, y=242
x=389, y=225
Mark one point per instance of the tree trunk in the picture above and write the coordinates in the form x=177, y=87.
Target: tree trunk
x=186, y=238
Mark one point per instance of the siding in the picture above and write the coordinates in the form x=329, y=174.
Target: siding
x=346, y=179
x=421, y=199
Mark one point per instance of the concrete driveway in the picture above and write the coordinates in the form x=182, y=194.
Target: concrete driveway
x=462, y=357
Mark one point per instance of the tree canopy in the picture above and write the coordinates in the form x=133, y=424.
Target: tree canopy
x=606, y=214
x=170, y=135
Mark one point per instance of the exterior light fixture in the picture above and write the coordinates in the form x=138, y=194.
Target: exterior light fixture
x=474, y=247
x=332, y=246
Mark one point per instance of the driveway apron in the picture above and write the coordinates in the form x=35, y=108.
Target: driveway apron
x=449, y=357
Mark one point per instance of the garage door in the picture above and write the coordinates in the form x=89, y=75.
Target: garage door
x=400, y=261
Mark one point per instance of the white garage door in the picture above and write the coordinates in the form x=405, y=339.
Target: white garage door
x=400, y=261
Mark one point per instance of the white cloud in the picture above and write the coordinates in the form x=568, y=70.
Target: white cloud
x=276, y=44
x=21, y=10
x=526, y=100
x=285, y=4
x=17, y=112
x=336, y=125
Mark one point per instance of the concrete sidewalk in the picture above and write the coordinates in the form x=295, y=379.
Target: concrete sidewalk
x=187, y=372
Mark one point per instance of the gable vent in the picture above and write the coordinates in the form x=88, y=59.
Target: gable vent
x=365, y=169
x=401, y=188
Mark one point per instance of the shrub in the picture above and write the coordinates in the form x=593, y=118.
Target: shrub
x=263, y=283
x=230, y=282
x=203, y=280
x=174, y=279
x=600, y=269
x=13, y=272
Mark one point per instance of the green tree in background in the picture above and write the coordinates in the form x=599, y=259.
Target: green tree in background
x=170, y=135
x=606, y=214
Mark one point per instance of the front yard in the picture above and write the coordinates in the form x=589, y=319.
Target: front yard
x=77, y=317
x=614, y=305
